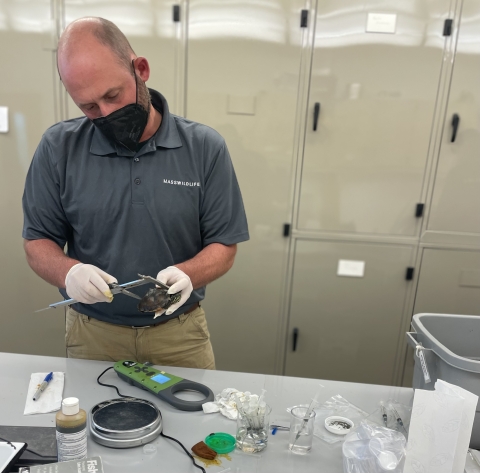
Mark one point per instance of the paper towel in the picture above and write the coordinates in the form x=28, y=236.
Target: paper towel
x=51, y=398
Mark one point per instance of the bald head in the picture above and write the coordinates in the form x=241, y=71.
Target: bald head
x=80, y=33
x=99, y=68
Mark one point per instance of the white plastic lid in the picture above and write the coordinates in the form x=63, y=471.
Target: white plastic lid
x=338, y=425
x=70, y=406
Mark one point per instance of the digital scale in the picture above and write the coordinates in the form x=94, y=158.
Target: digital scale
x=129, y=421
x=162, y=384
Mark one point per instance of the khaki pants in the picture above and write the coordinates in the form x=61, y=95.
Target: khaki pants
x=183, y=341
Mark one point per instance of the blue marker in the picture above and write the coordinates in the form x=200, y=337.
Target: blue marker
x=42, y=387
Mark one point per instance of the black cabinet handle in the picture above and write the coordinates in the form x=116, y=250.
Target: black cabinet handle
x=316, y=113
x=176, y=13
x=295, y=337
x=455, y=123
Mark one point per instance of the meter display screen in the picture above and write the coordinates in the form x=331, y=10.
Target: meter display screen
x=160, y=378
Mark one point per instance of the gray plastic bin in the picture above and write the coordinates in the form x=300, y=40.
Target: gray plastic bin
x=454, y=341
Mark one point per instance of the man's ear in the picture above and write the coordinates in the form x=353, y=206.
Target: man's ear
x=143, y=68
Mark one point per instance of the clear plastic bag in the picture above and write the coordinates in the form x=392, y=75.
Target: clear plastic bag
x=373, y=449
x=336, y=406
x=392, y=408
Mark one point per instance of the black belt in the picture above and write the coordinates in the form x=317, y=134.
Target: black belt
x=194, y=306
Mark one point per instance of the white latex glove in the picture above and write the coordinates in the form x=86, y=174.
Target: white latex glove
x=178, y=282
x=88, y=284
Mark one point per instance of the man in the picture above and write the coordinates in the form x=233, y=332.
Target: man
x=129, y=189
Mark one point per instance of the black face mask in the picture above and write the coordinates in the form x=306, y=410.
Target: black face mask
x=125, y=126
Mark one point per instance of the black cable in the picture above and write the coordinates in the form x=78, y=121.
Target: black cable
x=161, y=433
x=109, y=385
x=186, y=451
x=27, y=449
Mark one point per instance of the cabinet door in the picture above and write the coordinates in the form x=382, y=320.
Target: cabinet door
x=348, y=328
x=449, y=282
x=152, y=33
x=364, y=164
x=456, y=196
x=243, y=77
x=27, y=89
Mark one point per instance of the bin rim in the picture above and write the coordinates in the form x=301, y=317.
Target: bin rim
x=448, y=356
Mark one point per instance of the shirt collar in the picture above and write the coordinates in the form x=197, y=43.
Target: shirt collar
x=165, y=137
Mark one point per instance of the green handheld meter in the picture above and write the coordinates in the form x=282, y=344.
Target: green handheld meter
x=162, y=384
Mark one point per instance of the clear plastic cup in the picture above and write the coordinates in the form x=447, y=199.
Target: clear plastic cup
x=301, y=430
x=252, y=431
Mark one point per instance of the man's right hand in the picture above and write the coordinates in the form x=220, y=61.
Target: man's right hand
x=88, y=284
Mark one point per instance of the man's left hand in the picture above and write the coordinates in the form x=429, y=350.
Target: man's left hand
x=179, y=282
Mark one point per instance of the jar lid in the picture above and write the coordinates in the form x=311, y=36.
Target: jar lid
x=220, y=442
x=125, y=422
x=70, y=406
x=338, y=425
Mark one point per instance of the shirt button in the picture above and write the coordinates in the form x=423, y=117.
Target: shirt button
x=136, y=160
x=137, y=181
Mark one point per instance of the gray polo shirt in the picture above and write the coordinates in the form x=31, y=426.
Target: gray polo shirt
x=128, y=212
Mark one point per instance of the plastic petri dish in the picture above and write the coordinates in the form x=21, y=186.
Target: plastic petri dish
x=220, y=442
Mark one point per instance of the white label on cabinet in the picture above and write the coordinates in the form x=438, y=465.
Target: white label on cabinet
x=353, y=269
x=3, y=119
x=381, y=22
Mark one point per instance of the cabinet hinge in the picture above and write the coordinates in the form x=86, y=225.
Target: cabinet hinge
x=286, y=229
x=447, y=27
x=409, y=273
x=419, y=210
x=176, y=13
x=304, y=19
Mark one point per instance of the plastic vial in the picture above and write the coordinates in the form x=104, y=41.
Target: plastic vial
x=71, y=425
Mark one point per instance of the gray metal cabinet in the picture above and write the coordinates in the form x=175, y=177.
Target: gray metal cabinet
x=27, y=89
x=375, y=92
x=455, y=204
x=243, y=78
x=449, y=278
x=348, y=328
x=449, y=282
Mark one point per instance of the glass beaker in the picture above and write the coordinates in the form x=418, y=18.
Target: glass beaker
x=252, y=430
x=301, y=430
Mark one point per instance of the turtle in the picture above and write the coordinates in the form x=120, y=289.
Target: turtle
x=157, y=299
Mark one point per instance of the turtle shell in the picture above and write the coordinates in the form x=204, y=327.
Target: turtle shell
x=157, y=299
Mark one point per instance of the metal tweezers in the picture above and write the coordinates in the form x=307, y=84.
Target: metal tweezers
x=116, y=289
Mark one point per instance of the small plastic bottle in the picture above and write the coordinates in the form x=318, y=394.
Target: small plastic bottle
x=71, y=424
